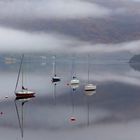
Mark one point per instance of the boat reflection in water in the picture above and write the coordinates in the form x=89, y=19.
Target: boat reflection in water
x=19, y=110
x=89, y=94
x=72, y=118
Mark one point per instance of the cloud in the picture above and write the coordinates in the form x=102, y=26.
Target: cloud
x=19, y=41
x=125, y=76
x=135, y=0
x=50, y=9
x=132, y=47
x=106, y=23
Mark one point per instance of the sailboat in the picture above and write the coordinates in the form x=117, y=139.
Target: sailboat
x=90, y=88
x=55, y=78
x=22, y=101
x=74, y=83
x=23, y=92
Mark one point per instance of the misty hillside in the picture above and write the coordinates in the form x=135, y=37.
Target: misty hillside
x=135, y=62
x=105, y=30
x=135, y=59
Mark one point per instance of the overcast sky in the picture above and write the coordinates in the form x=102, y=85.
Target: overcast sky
x=66, y=26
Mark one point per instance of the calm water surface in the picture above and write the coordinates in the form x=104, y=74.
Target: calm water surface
x=113, y=113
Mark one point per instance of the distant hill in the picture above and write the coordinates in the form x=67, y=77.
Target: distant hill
x=135, y=62
x=135, y=59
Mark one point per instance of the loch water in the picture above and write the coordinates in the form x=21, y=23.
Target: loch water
x=113, y=113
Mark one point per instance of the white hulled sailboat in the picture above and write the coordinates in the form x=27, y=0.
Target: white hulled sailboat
x=74, y=83
x=90, y=88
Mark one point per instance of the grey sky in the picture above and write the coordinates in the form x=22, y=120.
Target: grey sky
x=56, y=25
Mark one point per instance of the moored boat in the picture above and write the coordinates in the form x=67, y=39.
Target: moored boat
x=24, y=92
x=55, y=78
x=90, y=88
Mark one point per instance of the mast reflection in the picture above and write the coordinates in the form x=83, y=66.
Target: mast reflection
x=91, y=93
x=20, y=111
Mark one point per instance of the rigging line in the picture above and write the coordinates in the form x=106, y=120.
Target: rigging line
x=22, y=77
x=20, y=126
x=73, y=66
x=19, y=72
x=72, y=69
x=54, y=65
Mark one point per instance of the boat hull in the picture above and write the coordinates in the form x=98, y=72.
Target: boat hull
x=19, y=96
x=56, y=79
x=25, y=94
x=74, y=82
x=90, y=87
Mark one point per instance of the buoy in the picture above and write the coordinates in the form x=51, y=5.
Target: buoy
x=72, y=119
x=1, y=113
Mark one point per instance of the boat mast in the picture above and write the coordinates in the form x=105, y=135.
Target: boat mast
x=88, y=68
x=22, y=117
x=20, y=123
x=54, y=65
x=19, y=72
x=73, y=67
x=22, y=75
